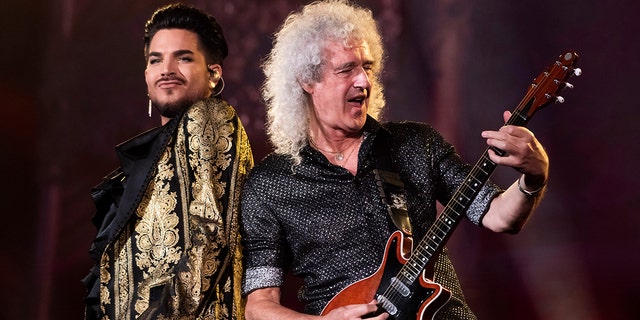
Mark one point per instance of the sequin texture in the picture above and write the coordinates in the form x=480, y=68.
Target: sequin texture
x=330, y=228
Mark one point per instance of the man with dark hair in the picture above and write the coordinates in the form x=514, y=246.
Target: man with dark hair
x=168, y=244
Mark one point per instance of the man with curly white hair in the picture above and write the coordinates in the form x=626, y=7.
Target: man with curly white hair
x=325, y=203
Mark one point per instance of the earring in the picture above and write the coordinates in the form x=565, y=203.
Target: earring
x=221, y=88
x=150, y=104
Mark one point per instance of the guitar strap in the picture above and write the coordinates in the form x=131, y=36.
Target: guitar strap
x=389, y=183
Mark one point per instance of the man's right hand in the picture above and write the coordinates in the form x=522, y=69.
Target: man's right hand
x=265, y=304
x=356, y=311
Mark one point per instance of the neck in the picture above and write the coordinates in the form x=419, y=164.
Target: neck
x=331, y=140
x=164, y=120
x=342, y=152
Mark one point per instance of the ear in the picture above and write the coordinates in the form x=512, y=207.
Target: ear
x=215, y=72
x=307, y=87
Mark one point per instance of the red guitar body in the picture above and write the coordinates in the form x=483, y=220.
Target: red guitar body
x=422, y=303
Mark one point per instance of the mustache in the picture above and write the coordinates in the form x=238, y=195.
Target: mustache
x=171, y=77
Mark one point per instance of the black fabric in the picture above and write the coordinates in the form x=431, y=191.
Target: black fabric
x=390, y=183
x=330, y=227
x=108, y=196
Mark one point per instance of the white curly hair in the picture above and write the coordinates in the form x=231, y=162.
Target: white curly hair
x=297, y=58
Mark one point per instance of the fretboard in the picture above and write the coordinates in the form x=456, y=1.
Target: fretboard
x=455, y=209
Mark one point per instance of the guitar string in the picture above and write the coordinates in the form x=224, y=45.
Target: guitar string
x=392, y=295
x=440, y=223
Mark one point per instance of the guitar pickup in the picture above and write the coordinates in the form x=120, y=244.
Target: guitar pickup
x=387, y=305
x=400, y=287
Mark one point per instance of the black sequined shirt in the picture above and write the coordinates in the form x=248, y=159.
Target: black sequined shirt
x=330, y=228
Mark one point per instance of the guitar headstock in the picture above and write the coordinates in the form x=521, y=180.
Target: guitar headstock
x=545, y=87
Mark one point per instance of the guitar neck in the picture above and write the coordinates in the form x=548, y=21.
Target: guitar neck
x=542, y=92
x=457, y=206
x=396, y=292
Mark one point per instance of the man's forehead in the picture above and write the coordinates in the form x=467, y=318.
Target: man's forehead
x=340, y=48
x=174, y=39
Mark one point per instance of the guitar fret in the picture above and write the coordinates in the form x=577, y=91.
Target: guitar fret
x=413, y=274
x=451, y=215
x=441, y=228
x=541, y=93
x=459, y=203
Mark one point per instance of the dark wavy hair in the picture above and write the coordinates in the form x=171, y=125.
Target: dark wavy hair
x=180, y=16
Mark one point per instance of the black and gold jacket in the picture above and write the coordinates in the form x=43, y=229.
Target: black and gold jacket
x=168, y=245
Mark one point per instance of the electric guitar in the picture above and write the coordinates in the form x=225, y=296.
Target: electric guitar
x=402, y=286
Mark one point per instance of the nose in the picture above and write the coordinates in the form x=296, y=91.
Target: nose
x=168, y=67
x=361, y=80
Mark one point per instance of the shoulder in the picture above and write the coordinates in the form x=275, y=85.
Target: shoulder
x=211, y=110
x=417, y=146
x=267, y=180
x=271, y=166
x=403, y=128
x=414, y=134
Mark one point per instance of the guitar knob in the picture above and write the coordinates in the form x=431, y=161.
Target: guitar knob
x=560, y=99
x=577, y=72
x=568, y=85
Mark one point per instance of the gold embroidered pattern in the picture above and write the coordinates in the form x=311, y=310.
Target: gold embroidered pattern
x=124, y=285
x=184, y=235
x=205, y=147
x=105, y=278
x=156, y=234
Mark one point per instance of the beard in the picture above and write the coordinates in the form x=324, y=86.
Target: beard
x=170, y=109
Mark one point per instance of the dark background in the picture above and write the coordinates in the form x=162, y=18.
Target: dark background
x=72, y=87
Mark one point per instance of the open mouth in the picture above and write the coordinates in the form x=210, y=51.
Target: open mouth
x=361, y=96
x=359, y=99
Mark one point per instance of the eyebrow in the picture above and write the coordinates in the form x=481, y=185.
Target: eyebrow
x=353, y=64
x=346, y=65
x=181, y=52
x=175, y=54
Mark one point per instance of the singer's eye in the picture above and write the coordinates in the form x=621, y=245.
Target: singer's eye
x=185, y=59
x=153, y=60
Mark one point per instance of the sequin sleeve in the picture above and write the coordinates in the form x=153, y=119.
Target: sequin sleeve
x=454, y=171
x=262, y=240
x=435, y=168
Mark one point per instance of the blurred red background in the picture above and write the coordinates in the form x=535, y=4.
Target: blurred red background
x=72, y=87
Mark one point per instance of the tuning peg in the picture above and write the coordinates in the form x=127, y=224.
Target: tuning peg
x=564, y=84
x=559, y=99
x=577, y=72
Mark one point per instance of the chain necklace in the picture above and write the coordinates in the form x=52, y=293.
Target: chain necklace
x=337, y=155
